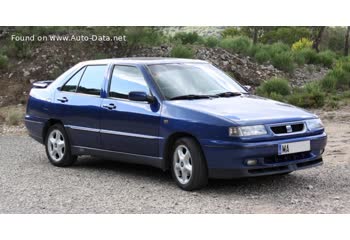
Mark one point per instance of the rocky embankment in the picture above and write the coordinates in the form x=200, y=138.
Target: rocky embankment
x=48, y=60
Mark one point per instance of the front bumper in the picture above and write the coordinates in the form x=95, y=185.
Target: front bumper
x=228, y=159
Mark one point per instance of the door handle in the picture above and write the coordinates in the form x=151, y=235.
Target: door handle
x=110, y=106
x=63, y=99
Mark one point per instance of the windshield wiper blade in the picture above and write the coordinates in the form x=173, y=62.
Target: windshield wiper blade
x=190, y=96
x=228, y=94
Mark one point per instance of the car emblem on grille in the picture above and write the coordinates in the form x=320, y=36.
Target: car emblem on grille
x=289, y=128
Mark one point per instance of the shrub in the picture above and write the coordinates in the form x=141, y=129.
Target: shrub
x=237, y=44
x=181, y=51
x=283, y=61
x=262, y=56
x=231, y=32
x=326, y=58
x=308, y=97
x=275, y=85
x=309, y=55
x=14, y=116
x=299, y=58
x=307, y=100
x=303, y=43
x=211, y=42
x=277, y=97
x=136, y=36
x=187, y=38
x=277, y=48
x=287, y=35
x=3, y=61
x=338, y=78
x=329, y=83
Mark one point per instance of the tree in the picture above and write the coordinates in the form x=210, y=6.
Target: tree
x=346, y=45
x=317, y=37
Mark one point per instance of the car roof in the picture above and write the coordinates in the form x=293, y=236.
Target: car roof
x=143, y=61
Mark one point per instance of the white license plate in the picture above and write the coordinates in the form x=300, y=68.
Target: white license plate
x=294, y=147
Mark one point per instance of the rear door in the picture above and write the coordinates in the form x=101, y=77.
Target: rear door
x=129, y=126
x=78, y=105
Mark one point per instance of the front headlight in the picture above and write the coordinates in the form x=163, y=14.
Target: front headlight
x=247, y=131
x=313, y=124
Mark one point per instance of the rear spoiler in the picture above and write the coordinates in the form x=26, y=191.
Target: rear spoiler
x=42, y=84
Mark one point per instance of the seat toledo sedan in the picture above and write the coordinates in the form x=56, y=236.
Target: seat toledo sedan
x=183, y=115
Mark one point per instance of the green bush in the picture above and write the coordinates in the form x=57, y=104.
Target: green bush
x=307, y=100
x=211, y=42
x=299, y=58
x=3, y=61
x=181, y=51
x=262, y=56
x=237, y=44
x=326, y=58
x=278, y=54
x=231, y=32
x=277, y=97
x=309, y=55
x=136, y=36
x=277, y=48
x=338, y=78
x=187, y=38
x=287, y=35
x=283, y=61
x=329, y=83
x=274, y=86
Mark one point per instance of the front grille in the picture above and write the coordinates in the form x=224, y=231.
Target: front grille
x=287, y=157
x=288, y=128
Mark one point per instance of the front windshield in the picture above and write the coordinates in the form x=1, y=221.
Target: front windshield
x=181, y=79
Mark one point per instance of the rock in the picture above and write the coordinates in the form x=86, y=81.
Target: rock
x=310, y=187
x=26, y=73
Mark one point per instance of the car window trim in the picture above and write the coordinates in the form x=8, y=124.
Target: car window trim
x=73, y=77
x=126, y=99
x=101, y=89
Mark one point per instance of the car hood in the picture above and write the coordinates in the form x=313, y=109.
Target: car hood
x=246, y=109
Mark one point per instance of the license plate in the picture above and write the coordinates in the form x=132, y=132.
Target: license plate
x=294, y=147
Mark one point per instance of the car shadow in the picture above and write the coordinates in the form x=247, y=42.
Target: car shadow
x=244, y=186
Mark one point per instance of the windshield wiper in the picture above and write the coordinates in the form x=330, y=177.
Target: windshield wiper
x=228, y=94
x=191, y=96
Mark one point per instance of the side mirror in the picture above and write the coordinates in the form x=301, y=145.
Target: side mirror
x=141, y=97
x=248, y=88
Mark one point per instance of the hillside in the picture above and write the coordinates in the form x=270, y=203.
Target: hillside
x=49, y=59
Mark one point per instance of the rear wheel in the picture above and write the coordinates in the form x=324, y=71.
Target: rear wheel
x=189, y=168
x=57, y=147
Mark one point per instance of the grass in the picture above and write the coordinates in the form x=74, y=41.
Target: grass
x=181, y=51
x=12, y=115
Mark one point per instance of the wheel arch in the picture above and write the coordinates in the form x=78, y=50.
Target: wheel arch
x=169, y=144
x=47, y=125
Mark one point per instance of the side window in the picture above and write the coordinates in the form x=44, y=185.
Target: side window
x=92, y=79
x=71, y=85
x=126, y=79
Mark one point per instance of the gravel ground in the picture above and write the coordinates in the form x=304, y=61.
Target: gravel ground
x=29, y=184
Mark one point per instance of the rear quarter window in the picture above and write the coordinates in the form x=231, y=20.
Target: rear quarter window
x=91, y=81
x=72, y=84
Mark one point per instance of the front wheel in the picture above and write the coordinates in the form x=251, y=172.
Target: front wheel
x=58, y=147
x=189, y=168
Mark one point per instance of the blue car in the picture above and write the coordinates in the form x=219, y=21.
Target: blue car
x=181, y=115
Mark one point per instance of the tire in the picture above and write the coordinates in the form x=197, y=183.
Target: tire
x=188, y=165
x=58, y=148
